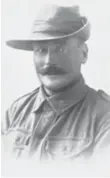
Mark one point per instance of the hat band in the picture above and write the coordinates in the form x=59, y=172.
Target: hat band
x=61, y=27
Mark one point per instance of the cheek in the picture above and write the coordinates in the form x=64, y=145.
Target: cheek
x=75, y=57
x=38, y=62
x=63, y=60
x=71, y=61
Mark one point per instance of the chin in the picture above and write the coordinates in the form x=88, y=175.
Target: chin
x=55, y=83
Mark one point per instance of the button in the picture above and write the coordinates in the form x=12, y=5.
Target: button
x=66, y=149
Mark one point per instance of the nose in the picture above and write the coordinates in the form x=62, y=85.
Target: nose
x=49, y=58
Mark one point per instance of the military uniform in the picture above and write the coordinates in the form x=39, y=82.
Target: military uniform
x=66, y=125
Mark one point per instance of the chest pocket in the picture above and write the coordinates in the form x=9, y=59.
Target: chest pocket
x=19, y=140
x=66, y=147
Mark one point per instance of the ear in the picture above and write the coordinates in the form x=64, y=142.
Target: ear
x=85, y=53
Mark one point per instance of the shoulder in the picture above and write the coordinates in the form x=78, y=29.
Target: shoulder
x=99, y=98
x=103, y=107
x=17, y=107
x=99, y=102
x=103, y=101
x=102, y=121
x=20, y=102
x=104, y=96
x=99, y=107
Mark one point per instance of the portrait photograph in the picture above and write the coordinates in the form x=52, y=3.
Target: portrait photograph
x=55, y=89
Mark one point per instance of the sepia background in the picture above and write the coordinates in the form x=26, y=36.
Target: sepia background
x=18, y=74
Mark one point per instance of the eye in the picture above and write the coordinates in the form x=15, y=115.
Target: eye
x=58, y=47
x=63, y=49
x=40, y=50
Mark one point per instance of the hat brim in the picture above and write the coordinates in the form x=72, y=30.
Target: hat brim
x=27, y=44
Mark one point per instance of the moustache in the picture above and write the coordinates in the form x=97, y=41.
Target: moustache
x=52, y=70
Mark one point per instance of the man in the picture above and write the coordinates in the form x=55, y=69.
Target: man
x=63, y=118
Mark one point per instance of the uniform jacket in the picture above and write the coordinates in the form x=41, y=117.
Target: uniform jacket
x=67, y=125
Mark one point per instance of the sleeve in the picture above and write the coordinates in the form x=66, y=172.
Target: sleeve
x=102, y=139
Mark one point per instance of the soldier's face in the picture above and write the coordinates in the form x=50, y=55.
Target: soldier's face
x=58, y=62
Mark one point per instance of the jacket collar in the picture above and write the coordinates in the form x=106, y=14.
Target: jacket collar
x=63, y=100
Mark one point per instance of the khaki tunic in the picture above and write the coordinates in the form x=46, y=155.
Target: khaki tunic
x=74, y=123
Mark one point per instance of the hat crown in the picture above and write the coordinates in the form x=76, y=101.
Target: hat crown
x=54, y=18
x=58, y=13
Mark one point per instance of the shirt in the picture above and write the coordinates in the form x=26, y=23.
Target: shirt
x=66, y=125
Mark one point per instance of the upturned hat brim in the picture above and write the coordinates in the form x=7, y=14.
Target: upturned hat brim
x=27, y=44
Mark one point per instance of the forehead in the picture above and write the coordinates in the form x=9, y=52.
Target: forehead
x=64, y=41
